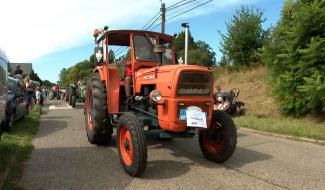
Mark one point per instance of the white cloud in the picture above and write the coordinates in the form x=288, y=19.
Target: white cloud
x=29, y=29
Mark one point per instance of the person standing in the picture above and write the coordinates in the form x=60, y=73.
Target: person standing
x=79, y=83
x=38, y=97
x=128, y=77
x=29, y=91
x=18, y=70
x=43, y=96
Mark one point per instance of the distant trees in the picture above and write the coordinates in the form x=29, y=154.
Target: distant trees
x=296, y=56
x=200, y=53
x=71, y=75
x=244, y=37
x=34, y=76
x=80, y=70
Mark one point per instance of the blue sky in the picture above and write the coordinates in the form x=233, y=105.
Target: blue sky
x=68, y=46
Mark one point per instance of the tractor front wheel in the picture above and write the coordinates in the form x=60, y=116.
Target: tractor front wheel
x=131, y=145
x=218, y=143
x=98, y=126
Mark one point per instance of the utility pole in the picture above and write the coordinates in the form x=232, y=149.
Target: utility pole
x=163, y=17
x=186, y=27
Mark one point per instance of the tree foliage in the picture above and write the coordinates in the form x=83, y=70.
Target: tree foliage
x=243, y=38
x=34, y=76
x=71, y=75
x=200, y=53
x=296, y=56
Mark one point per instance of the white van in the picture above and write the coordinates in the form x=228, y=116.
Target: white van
x=3, y=88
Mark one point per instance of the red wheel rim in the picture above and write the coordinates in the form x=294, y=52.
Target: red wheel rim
x=126, y=147
x=89, y=107
x=211, y=144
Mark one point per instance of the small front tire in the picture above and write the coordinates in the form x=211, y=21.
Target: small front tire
x=218, y=143
x=131, y=145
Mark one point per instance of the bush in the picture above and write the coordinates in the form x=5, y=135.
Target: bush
x=296, y=54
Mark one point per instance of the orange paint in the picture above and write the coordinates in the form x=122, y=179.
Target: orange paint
x=164, y=78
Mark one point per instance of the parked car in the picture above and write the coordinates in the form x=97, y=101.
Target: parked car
x=16, y=105
x=3, y=89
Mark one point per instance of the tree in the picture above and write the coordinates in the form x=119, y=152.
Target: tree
x=243, y=38
x=200, y=53
x=63, y=77
x=34, y=76
x=224, y=62
x=179, y=42
x=296, y=57
x=111, y=56
x=48, y=83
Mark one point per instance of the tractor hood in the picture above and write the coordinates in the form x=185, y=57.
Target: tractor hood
x=165, y=78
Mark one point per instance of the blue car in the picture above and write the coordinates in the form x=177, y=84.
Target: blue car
x=16, y=105
x=3, y=88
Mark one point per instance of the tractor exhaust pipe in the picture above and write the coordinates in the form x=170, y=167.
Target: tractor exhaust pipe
x=186, y=27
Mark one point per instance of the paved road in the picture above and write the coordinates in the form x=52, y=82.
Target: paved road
x=63, y=159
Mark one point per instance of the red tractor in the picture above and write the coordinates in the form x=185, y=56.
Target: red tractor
x=169, y=99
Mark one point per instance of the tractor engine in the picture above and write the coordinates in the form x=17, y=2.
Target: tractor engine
x=165, y=92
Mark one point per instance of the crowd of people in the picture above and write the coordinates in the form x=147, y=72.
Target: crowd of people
x=35, y=94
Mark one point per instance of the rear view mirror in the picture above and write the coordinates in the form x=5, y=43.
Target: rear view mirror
x=99, y=53
x=159, y=49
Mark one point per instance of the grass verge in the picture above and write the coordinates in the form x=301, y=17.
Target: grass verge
x=15, y=148
x=285, y=126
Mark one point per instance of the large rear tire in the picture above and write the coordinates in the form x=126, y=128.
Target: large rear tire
x=70, y=100
x=51, y=95
x=131, y=145
x=98, y=126
x=73, y=101
x=218, y=143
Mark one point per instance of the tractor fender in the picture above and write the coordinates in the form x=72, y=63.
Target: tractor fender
x=111, y=78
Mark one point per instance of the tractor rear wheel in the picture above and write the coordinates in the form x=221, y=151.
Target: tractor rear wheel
x=98, y=126
x=73, y=101
x=70, y=100
x=131, y=144
x=218, y=143
x=51, y=95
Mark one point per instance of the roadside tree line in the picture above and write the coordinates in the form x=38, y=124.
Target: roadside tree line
x=294, y=50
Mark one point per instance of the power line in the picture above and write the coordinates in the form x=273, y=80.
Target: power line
x=151, y=20
x=189, y=10
x=171, y=8
x=145, y=27
x=150, y=24
x=176, y=4
x=177, y=11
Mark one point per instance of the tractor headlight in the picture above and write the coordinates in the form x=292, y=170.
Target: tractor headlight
x=155, y=96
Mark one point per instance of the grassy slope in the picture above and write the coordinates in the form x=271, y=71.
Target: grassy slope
x=262, y=111
x=15, y=147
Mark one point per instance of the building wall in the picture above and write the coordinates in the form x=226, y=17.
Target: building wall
x=26, y=67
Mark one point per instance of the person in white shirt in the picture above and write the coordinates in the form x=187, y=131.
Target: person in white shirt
x=38, y=96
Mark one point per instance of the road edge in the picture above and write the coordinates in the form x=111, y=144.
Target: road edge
x=303, y=139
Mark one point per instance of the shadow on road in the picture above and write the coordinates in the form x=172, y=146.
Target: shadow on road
x=80, y=106
x=52, y=125
x=75, y=168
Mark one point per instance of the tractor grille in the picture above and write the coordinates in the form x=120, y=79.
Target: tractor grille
x=194, y=84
